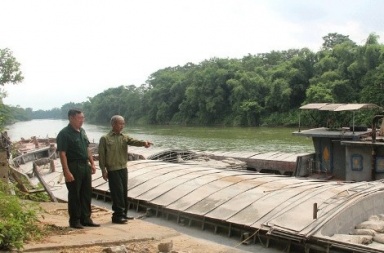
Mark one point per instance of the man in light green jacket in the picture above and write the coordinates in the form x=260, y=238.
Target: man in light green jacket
x=113, y=158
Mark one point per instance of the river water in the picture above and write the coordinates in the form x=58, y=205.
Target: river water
x=255, y=139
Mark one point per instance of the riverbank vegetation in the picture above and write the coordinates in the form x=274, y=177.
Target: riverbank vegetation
x=18, y=218
x=265, y=89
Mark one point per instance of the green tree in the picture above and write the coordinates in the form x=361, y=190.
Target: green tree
x=336, y=71
x=368, y=71
x=247, y=98
x=166, y=92
x=9, y=68
x=9, y=73
x=333, y=39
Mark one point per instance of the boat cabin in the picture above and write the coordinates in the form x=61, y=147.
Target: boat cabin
x=348, y=153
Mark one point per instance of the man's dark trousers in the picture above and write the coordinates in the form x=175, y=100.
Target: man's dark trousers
x=118, y=186
x=79, y=193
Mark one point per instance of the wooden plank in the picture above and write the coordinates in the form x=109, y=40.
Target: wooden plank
x=46, y=187
x=20, y=183
x=265, y=156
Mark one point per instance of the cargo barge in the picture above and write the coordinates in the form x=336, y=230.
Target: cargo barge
x=327, y=201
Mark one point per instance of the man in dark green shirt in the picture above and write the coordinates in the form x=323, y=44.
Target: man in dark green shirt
x=113, y=158
x=78, y=165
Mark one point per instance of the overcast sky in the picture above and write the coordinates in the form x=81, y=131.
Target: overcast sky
x=72, y=50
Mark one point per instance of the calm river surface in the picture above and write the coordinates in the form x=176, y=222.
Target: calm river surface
x=260, y=139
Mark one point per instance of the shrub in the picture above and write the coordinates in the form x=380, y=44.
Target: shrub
x=18, y=220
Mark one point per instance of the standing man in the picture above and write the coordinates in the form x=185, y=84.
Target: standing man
x=113, y=158
x=78, y=165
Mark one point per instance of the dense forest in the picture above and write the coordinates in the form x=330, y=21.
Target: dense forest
x=265, y=89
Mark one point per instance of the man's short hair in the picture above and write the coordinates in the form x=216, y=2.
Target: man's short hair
x=73, y=112
x=115, y=118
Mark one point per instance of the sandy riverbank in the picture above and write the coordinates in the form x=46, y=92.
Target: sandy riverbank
x=137, y=236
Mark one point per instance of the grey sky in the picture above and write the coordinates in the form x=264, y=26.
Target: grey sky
x=73, y=49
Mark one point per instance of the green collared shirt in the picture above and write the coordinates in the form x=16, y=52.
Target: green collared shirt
x=73, y=143
x=113, y=150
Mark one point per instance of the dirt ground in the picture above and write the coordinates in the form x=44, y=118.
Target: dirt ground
x=138, y=236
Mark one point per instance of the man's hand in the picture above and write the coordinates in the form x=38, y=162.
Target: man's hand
x=105, y=175
x=93, y=169
x=68, y=177
x=147, y=144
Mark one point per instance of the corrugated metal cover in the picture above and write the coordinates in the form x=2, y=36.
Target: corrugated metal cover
x=338, y=107
x=330, y=107
x=354, y=107
x=312, y=106
x=260, y=201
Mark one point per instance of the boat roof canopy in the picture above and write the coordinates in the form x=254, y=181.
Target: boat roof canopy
x=338, y=107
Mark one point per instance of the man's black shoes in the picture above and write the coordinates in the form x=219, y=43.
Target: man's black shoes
x=76, y=225
x=91, y=224
x=119, y=220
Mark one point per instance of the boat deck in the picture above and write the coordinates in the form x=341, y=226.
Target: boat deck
x=234, y=201
x=266, y=162
x=247, y=204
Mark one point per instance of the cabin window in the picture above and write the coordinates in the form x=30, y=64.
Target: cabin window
x=379, y=164
x=357, y=162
